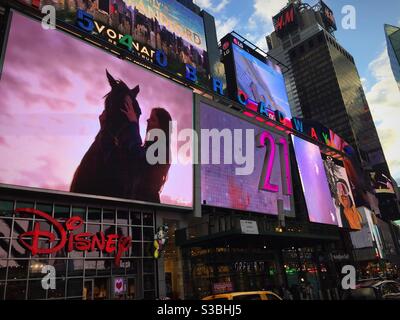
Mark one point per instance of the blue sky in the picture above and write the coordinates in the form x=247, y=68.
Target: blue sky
x=367, y=43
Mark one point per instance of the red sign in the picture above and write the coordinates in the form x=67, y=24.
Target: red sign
x=285, y=20
x=64, y=238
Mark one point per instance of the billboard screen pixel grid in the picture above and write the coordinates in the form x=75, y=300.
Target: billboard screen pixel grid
x=56, y=125
x=222, y=187
x=164, y=25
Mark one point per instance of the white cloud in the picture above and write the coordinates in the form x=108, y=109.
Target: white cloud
x=260, y=24
x=225, y=26
x=211, y=6
x=384, y=101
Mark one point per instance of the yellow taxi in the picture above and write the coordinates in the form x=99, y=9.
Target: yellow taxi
x=250, y=295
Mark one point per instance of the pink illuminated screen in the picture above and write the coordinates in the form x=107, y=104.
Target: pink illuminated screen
x=53, y=89
x=314, y=182
x=257, y=192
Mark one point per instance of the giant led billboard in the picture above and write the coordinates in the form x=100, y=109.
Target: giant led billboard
x=75, y=118
x=314, y=182
x=261, y=82
x=348, y=216
x=146, y=28
x=267, y=178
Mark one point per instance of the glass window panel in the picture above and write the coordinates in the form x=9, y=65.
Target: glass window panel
x=148, y=249
x=59, y=291
x=35, y=290
x=90, y=267
x=149, y=283
x=45, y=207
x=148, y=265
x=79, y=212
x=74, y=287
x=5, y=227
x=18, y=251
x=4, y=247
x=20, y=205
x=123, y=231
x=109, y=216
x=148, y=234
x=93, y=228
x=118, y=270
x=149, y=295
x=136, y=249
x=16, y=290
x=61, y=212
x=104, y=267
x=35, y=268
x=148, y=219
x=18, y=268
x=136, y=218
x=132, y=266
x=2, y=289
x=6, y=208
x=22, y=226
x=136, y=233
x=75, y=267
x=3, y=265
x=109, y=229
x=60, y=265
x=94, y=215
x=122, y=217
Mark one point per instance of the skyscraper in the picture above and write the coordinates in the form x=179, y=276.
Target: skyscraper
x=393, y=45
x=322, y=79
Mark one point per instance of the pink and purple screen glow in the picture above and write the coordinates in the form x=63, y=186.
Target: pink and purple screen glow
x=314, y=182
x=221, y=187
x=52, y=90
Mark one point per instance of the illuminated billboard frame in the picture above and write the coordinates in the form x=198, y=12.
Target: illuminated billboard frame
x=141, y=29
x=253, y=80
x=263, y=183
x=83, y=49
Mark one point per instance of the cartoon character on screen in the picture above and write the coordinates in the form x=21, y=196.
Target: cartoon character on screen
x=351, y=217
x=160, y=240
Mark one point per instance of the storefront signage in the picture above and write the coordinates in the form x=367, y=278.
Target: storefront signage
x=285, y=21
x=249, y=227
x=63, y=237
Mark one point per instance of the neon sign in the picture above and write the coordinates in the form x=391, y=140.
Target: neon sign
x=285, y=20
x=64, y=238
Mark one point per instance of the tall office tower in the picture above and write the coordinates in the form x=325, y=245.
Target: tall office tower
x=322, y=79
x=393, y=45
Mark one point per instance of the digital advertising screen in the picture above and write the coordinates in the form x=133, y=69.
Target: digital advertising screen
x=369, y=235
x=314, y=182
x=262, y=82
x=65, y=125
x=268, y=178
x=164, y=25
x=347, y=213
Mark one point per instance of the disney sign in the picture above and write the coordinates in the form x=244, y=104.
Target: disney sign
x=63, y=237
